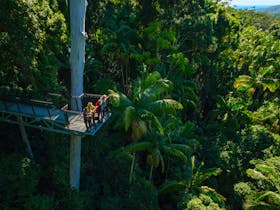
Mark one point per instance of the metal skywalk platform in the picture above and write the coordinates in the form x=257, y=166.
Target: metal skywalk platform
x=42, y=115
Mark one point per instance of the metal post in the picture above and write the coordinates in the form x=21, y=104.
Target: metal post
x=33, y=109
x=76, y=102
x=19, y=111
x=49, y=113
x=24, y=137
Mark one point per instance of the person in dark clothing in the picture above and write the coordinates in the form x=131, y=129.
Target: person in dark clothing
x=85, y=117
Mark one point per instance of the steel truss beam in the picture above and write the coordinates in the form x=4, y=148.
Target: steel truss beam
x=49, y=125
x=39, y=124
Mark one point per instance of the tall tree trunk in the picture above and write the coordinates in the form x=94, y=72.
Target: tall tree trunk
x=75, y=161
x=25, y=138
x=77, y=62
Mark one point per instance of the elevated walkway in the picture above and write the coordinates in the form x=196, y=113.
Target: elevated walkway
x=44, y=115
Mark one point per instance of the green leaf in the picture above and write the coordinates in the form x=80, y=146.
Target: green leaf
x=206, y=174
x=271, y=197
x=128, y=116
x=255, y=174
x=151, y=79
x=271, y=84
x=237, y=106
x=264, y=71
x=265, y=168
x=137, y=89
x=243, y=82
x=213, y=194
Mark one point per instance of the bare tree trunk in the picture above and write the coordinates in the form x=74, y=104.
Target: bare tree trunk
x=25, y=138
x=132, y=168
x=77, y=62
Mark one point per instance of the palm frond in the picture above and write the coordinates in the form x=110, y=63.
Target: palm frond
x=168, y=106
x=170, y=122
x=149, y=116
x=213, y=194
x=174, y=152
x=128, y=116
x=137, y=147
x=155, y=90
x=172, y=186
x=181, y=147
x=272, y=197
x=206, y=174
x=190, y=84
x=190, y=95
x=151, y=79
x=118, y=99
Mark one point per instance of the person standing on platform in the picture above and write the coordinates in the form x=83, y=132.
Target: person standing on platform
x=90, y=114
x=98, y=108
x=85, y=117
x=103, y=105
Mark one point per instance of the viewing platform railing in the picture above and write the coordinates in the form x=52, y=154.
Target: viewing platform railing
x=33, y=110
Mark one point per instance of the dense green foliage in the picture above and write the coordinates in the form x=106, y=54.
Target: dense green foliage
x=194, y=90
x=32, y=42
x=274, y=10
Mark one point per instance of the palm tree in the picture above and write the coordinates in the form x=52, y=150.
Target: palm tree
x=140, y=113
x=192, y=183
x=158, y=145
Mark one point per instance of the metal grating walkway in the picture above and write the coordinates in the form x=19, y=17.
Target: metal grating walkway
x=42, y=115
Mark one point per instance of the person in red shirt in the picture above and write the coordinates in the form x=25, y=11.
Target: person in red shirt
x=97, y=109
